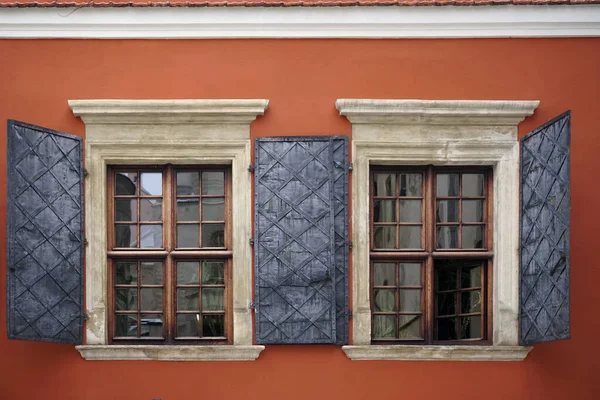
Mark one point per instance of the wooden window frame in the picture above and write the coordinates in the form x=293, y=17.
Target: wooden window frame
x=170, y=254
x=429, y=252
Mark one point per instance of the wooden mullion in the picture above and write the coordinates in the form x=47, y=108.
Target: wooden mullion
x=430, y=243
x=397, y=217
x=200, y=209
x=397, y=297
x=139, y=299
x=200, y=278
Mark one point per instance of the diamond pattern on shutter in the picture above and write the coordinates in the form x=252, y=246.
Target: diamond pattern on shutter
x=45, y=235
x=301, y=251
x=545, y=229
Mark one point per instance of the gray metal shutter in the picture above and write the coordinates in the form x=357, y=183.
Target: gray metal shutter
x=44, y=235
x=301, y=246
x=545, y=229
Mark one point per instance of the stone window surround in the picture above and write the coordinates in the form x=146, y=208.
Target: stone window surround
x=160, y=132
x=449, y=132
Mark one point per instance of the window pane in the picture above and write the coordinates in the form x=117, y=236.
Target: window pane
x=151, y=299
x=384, y=326
x=187, y=273
x=409, y=327
x=125, y=325
x=151, y=236
x=187, y=183
x=410, y=300
x=384, y=184
x=446, y=329
x=472, y=237
x=125, y=236
x=410, y=237
x=126, y=273
x=152, y=325
x=445, y=279
x=472, y=211
x=187, y=325
x=151, y=273
x=384, y=237
x=446, y=185
x=213, y=235
x=151, y=209
x=410, y=274
x=125, y=183
x=213, y=273
x=384, y=211
x=447, y=237
x=213, y=209
x=188, y=299
x=446, y=303
x=470, y=327
x=126, y=299
x=151, y=184
x=187, y=210
x=213, y=325
x=472, y=185
x=384, y=274
x=470, y=277
x=410, y=210
x=125, y=210
x=384, y=300
x=213, y=299
x=213, y=182
x=187, y=236
x=447, y=211
x=411, y=184
x=470, y=302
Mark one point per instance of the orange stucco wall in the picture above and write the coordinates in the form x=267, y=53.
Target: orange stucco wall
x=302, y=79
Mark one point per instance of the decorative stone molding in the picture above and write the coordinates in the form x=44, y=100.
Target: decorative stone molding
x=171, y=353
x=422, y=132
x=443, y=353
x=144, y=132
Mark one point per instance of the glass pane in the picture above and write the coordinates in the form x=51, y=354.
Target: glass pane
x=472, y=237
x=213, y=209
x=151, y=184
x=126, y=183
x=187, y=236
x=384, y=211
x=470, y=327
x=125, y=210
x=410, y=237
x=213, y=325
x=384, y=274
x=213, y=182
x=446, y=329
x=472, y=211
x=187, y=325
x=126, y=299
x=447, y=211
x=384, y=326
x=384, y=237
x=410, y=274
x=152, y=325
x=187, y=273
x=151, y=236
x=384, y=299
x=187, y=183
x=151, y=210
x=470, y=302
x=151, y=299
x=446, y=185
x=410, y=210
x=410, y=300
x=213, y=299
x=125, y=236
x=187, y=210
x=213, y=273
x=151, y=272
x=447, y=237
x=125, y=325
x=409, y=327
x=470, y=277
x=188, y=299
x=213, y=235
x=472, y=185
x=126, y=273
x=445, y=279
x=411, y=184
x=384, y=184
x=446, y=303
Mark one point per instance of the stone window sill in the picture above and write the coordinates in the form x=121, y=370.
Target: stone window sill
x=440, y=353
x=170, y=353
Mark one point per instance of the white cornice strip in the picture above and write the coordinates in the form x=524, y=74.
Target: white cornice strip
x=302, y=22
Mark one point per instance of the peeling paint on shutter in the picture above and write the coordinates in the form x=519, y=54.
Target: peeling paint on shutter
x=301, y=248
x=545, y=229
x=44, y=235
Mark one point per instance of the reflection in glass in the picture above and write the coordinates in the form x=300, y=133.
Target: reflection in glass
x=447, y=211
x=447, y=237
x=470, y=327
x=213, y=272
x=125, y=236
x=472, y=211
x=213, y=299
x=410, y=300
x=410, y=210
x=409, y=327
x=472, y=237
x=187, y=235
x=151, y=236
x=151, y=184
x=213, y=209
x=151, y=325
x=188, y=299
x=187, y=273
x=410, y=274
x=151, y=299
x=446, y=303
x=125, y=210
x=470, y=277
x=125, y=325
x=213, y=325
x=384, y=184
x=411, y=184
x=126, y=299
x=384, y=326
x=384, y=300
x=410, y=237
x=472, y=185
x=213, y=235
x=151, y=209
x=470, y=302
x=384, y=237
x=384, y=274
x=213, y=182
x=187, y=325
x=447, y=185
x=187, y=210
x=187, y=183
x=126, y=273
x=384, y=211
x=446, y=329
x=151, y=272
x=125, y=183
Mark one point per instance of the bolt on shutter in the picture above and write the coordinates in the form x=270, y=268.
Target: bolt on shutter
x=44, y=235
x=301, y=248
x=545, y=227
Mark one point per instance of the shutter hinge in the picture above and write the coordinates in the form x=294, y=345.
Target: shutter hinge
x=251, y=168
x=350, y=244
x=85, y=173
x=251, y=305
x=350, y=166
x=251, y=241
x=86, y=316
x=349, y=314
x=85, y=242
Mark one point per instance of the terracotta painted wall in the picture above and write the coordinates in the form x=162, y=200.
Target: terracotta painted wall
x=302, y=79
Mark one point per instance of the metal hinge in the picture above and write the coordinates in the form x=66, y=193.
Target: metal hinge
x=349, y=314
x=350, y=166
x=349, y=244
x=251, y=241
x=85, y=242
x=86, y=316
x=85, y=173
x=251, y=305
x=251, y=168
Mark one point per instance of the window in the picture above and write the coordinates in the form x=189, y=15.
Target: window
x=430, y=255
x=170, y=252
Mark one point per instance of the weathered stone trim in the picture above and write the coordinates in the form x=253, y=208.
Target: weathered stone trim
x=170, y=353
x=439, y=353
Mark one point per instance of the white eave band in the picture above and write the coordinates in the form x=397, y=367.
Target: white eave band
x=302, y=22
